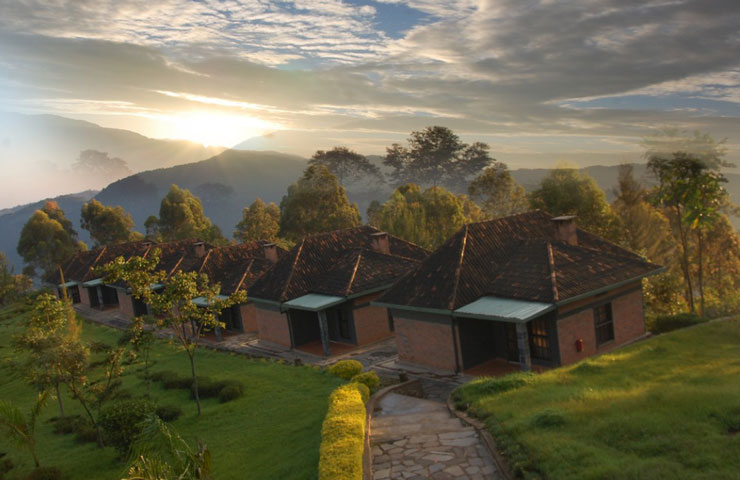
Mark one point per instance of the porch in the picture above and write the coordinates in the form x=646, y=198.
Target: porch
x=320, y=324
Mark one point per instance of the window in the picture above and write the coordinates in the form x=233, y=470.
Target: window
x=604, y=324
x=539, y=343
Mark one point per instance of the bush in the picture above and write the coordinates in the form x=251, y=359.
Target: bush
x=168, y=413
x=175, y=381
x=548, y=419
x=208, y=388
x=667, y=323
x=120, y=421
x=99, y=347
x=346, y=369
x=86, y=433
x=70, y=424
x=370, y=379
x=6, y=465
x=364, y=391
x=161, y=375
x=227, y=394
x=476, y=389
x=45, y=473
x=343, y=435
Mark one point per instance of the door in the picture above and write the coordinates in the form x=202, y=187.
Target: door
x=512, y=345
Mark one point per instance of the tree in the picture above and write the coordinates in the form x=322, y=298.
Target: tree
x=316, y=203
x=20, y=428
x=12, y=286
x=259, y=222
x=159, y=453
x=693, y=195
x=436, y=156
x=698, y=145
x=498, y=193
x=565, y=191
x=174, y=304
x=101, y=165
x=47, y=240
x=107, y=225
x=426, y=218
x=347, y=165
x=181, y=217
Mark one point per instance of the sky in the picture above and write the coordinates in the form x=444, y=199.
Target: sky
x=539, y=80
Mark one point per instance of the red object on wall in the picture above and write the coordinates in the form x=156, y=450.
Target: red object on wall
x=579, y=345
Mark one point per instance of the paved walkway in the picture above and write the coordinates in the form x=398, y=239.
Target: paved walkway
x=416, y=439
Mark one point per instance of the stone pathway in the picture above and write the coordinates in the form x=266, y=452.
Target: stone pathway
x=413, y=438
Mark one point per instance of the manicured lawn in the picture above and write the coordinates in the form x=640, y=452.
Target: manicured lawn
x=666, y=408
x=273, y=431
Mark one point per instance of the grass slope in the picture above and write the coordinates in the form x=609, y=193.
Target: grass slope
x=666, y=408
x=273, y=431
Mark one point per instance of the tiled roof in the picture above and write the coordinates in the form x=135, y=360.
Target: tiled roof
x=80, y=267
x=514, y=257
x=237, y=266
x=338, y=263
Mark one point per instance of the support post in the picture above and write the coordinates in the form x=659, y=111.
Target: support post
x=99, y=291
x=522, y=339
x=324, y=329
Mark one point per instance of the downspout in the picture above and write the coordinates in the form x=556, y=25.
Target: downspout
x=454, y=344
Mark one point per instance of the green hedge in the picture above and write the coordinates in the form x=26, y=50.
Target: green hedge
x=346, y=369
x=370, y=379
x=343, y=435
x=668, y=323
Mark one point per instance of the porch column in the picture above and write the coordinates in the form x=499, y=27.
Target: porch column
x=99, y=291
x=522, y=339
x=324, y=329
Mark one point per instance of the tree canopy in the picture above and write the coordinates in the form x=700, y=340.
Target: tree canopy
x=47, y=240
x=316, y=203
x=498, y=194
x=436, y=156
x=12, y=285
x=347, y=165
x=107, y=225
x=426, y=218
x=566, y=191
x=181, y=217
x=259, y=222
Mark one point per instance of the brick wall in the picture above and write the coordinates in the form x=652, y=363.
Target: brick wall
x=125, y=303
x=248, y=313
x=628, y=320
x=85, y=296
x=371, y=324
x=272, y=326
x=423, y=343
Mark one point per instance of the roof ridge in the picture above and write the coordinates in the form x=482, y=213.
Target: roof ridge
x=553, y=273
x=169, y=274
x=205, y=260
x=354, y=273
x=292, y=268
x=95, y=262
x=246, y=271
x=453, y=297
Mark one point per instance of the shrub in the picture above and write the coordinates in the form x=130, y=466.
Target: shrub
x=161, y=375
x=120, y=421
x=229, y=393
x=176, y=382
x=548, y=419
x=343, y=435
x=70, y=424
x=364, y=391
x=99, y=347
x=667, y=323
x=6, y=465
x=86, y=433
x=208, y=388
x=346, y=369
x=169, y=413
x=370, y=379
x=45, y=473
x=476, y=389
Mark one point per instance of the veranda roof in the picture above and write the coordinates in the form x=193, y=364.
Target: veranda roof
x=503, y=309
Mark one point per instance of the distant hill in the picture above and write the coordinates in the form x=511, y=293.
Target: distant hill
x=228, y=182
x=40, y=149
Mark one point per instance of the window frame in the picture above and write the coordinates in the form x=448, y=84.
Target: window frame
x=543, y=351
x=601, y=323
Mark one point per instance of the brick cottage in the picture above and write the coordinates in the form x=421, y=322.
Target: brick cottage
x=526, y=290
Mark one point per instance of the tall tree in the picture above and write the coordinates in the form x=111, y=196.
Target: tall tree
x=259, y=222
x=181, y=217
x=565, y=191
x=12, y=285
x=699, y=145
x=498, y=194
x=347, y=165
x=693, y=195
x=174, y=304
x=316, y=203
x=101, y=165
x=426, y=218
x=107, y=225
x=47, y=240
x=436, y=156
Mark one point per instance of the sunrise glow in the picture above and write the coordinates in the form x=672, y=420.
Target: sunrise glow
x=215, y=128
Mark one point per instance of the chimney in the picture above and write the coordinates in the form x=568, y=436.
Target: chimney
x=271, y=253
x=200, y=249
x=380, y=243
x=565, y=229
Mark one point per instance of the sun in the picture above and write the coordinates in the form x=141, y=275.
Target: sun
x=217, y=128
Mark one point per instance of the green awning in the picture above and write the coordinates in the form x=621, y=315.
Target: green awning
x=68, y=284
x=503, y=309
x=93, y=283
x=313, y=302
x=202, y=302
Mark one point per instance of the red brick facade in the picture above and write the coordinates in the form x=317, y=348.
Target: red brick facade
x=425, y=343
x=628, y=320
x=371, y=322
x=248, y=314
x=273, y=326
x=125, y=303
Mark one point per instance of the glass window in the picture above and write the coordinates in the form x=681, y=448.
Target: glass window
x=604, y=324
x=539, y=343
